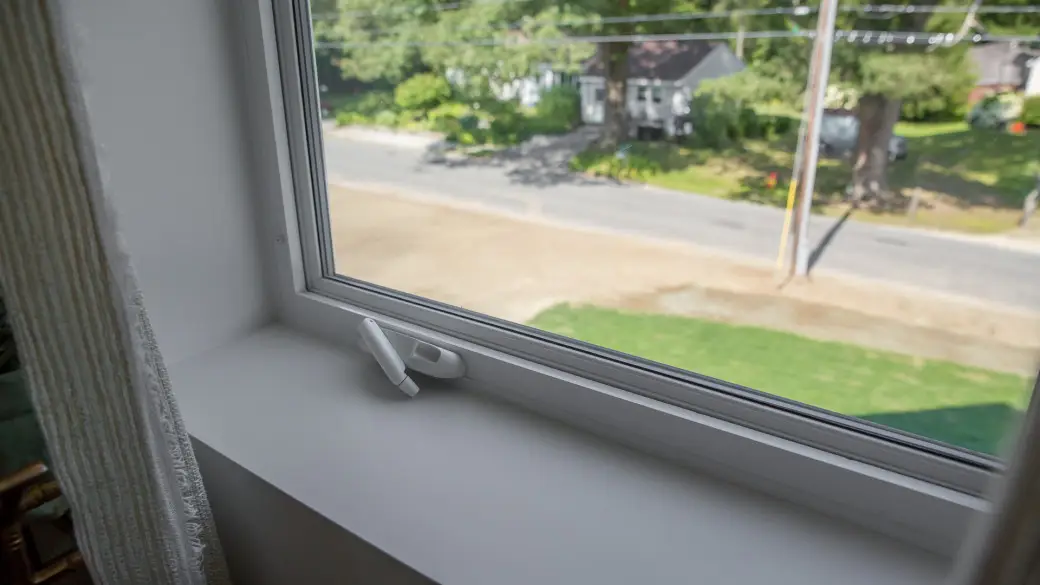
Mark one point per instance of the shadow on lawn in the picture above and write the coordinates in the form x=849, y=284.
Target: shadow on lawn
x=984, y=427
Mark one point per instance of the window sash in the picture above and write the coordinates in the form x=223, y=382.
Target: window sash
x=951, y=467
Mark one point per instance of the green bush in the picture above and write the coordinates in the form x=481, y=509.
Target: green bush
x=422, y=92
x=632, y=164
x=558, y=110
x=1031, y=111
x=449, y=109
x=385, y=118
x=344, y=118
x=371, y=103
x=718, y=121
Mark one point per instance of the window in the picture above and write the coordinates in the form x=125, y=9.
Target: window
x=655, y=94
x=600, y=95
x=511, y=231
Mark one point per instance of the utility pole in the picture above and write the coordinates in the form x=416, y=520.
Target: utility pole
x=819, y=74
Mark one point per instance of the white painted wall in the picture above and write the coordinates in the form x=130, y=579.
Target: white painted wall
x=161, y=101
x=1033, y=81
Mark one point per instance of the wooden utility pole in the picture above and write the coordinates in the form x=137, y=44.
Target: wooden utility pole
x=819, y=74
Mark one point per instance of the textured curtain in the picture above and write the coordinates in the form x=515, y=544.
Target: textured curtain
x=96, y=378
x=1004, y=549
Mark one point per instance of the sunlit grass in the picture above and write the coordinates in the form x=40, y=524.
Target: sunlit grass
x=966, y=406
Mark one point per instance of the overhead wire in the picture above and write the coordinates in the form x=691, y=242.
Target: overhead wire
x=884, y=9
x=867, y=37
x=879, y=10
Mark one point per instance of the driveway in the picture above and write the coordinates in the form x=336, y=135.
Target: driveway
x=535, y=182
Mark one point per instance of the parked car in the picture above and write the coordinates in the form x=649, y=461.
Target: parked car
x=839, y=133
x=996, y=111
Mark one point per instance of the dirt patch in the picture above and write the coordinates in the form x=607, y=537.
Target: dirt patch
x=513, y=267
x=819, y=321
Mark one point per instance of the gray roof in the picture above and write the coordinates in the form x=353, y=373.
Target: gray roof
x=664, y=60
x=1001, y=64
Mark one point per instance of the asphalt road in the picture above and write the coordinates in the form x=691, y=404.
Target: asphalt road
x=539, y=184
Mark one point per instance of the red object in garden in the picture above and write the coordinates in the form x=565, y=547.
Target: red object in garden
x=771, y=180
x=1018, y=128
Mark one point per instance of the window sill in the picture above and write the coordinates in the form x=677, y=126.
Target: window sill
x=466, y=489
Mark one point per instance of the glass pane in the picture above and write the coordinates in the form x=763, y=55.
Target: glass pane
x=474, y=158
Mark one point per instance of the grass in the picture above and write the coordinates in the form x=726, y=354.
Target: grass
x=968, y=180
x=965, y=406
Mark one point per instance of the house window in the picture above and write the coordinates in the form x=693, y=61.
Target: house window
x=583, y=296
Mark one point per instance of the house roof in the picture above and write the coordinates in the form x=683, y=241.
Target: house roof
x=665, y=60
x=1001, y=64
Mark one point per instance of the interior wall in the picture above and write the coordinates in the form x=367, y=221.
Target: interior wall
x=271, y=539
x=158, y=88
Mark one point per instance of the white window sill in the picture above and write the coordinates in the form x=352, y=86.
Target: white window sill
x=468, y=490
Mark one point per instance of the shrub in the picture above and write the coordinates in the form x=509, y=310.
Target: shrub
x=422, y=92
x=633, y=164
x=558, y=110
x=450, y=109
x=371, y=103
x=717, y=120
x=1031, y=111
x=385, y=118
x=344, y=118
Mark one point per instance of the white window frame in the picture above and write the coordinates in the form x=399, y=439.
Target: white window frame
x=906, y=487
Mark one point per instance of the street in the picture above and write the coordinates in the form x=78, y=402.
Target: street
x=538, y=184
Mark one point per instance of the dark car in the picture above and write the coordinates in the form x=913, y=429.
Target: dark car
x=840, y=131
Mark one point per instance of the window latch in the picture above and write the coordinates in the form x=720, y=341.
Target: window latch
x=394, y=352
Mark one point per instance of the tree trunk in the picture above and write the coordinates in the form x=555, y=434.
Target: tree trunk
x=615, y=110
x=877, y=118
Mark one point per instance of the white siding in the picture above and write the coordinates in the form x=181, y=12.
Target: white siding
x=1033, y=78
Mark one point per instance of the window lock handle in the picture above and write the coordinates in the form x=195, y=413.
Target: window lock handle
x=395, y=352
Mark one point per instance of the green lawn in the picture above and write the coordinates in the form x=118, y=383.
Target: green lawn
x=966, y=406
x=969, y=180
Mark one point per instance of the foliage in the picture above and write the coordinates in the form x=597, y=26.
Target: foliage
x=967, y=406
x=347, y=118
x=750, y=86
x=558, y=110
x=422, y=92
x=933, y=86
x=1031, y=111
x=385, y=118
x=632, y=163
x=719, y=121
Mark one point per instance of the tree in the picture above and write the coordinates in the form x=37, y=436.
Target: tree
x=886, y=74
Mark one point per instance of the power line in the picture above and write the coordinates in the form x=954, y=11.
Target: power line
x=864, y=37
x=635, y=18
x=407, y=9
x=490, y=42
x=879, y=9
x=930, y=9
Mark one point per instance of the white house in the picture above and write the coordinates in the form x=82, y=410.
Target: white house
x=528, y=90
x=662, y=77
x=1005, y=66
x=525, y=90
x=1033, y=79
